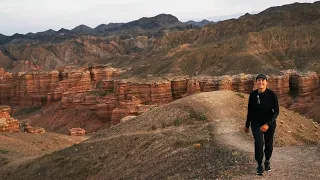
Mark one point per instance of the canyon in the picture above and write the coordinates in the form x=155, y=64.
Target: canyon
x=158, y=99
x=99, y=89
x=95, y=79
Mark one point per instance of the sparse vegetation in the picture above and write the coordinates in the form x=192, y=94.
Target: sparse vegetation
x=199, y=116
x=26, y=111
x=203, y=117
x=240, y=95
x=177, y=122
x=99, y=84
x=3, y=151
x=98, y=92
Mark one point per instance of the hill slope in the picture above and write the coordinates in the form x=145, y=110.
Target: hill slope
x=199, y=136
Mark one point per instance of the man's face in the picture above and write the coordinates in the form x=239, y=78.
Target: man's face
x=261, y=83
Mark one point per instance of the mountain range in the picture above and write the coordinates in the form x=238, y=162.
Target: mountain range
x=276, y=39
x=141, y=26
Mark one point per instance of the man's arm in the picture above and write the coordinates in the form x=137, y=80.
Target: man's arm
x=275, y=110
x=249, y=114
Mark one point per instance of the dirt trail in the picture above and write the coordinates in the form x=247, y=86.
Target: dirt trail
x=289, y=162
x=295, y=162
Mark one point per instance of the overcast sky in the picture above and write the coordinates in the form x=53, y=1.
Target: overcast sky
x=23, y=16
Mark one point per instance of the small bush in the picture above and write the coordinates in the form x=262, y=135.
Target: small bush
x=177, y=122
x=3, y=151
x=203, y=117
x=240, y=95
x=198, y=115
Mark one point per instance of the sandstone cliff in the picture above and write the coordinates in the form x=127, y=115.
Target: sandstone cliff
x=99, y=90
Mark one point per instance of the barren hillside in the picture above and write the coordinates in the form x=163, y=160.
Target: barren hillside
x=199, y=137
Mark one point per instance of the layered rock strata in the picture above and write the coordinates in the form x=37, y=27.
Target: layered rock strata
x=77, y=132
x=7, y=123
x=111, y=99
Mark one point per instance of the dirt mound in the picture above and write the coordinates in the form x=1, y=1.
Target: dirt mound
x=54, y=118
x=17, y=148
x=197, y=137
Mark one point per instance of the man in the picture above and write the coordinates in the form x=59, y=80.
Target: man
x=263, y=109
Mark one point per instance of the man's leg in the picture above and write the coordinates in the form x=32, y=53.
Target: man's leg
x=258, y=144
x=258, y=148
x=268, y=139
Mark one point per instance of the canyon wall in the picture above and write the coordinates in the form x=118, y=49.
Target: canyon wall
x=98, y=89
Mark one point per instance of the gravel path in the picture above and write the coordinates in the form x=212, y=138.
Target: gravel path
x=296, y=162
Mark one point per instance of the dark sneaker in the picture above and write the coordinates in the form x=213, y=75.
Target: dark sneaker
x=267, y=166
x=260, y=170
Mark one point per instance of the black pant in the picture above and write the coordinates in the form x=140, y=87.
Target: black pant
x=258, y=142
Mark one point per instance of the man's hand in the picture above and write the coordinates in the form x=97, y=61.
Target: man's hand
x=264, y=128
x=246, y=130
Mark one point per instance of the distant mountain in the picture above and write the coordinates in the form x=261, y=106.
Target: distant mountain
x=64, y=31
x=226, y=17
x=201, y=23
x=41, y=35
x=159, y=21
x=152, y=26
x=103, y=28
x=49, y=32
x=276, y=39
x=3, y=37
x=82, y=29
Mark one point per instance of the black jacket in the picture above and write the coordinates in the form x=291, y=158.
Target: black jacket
x=263, y=108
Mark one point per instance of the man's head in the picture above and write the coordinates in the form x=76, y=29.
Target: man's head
x=261, y=81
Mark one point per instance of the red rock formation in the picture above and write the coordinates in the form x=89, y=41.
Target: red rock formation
x=208, y=85
x=178, y=88
x=225, y=83
x=161, y=93
x=105, y=108
x=306, y=94
x=77, y=132
x=7, y=123
x=94, y=89
x=193, y=86
x=128, y=108
x=107, y=85
x=27, y=89
x=147, y=93
x=2, y=72
x=33, y=130
x=78, y=82
x=243, y=83
x=279, y=84
x=102, y=72
x=141, y=91
x=308, y=83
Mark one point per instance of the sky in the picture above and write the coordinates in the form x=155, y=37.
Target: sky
x=21, y=16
